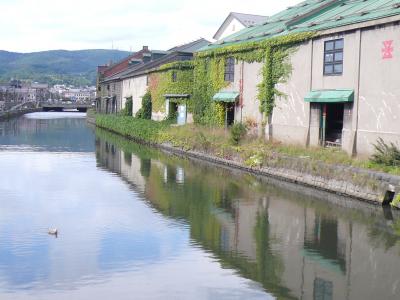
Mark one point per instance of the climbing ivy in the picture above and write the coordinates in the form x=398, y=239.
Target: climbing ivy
x=273, y=53
x=208, y=79
x=146, y=109
x=161, y=83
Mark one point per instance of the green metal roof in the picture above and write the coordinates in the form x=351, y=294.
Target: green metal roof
x=330, y=96
x=313, y=15
x=226, y=96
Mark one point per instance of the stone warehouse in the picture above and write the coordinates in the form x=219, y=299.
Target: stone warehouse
x=321, y=73
x=342, y=89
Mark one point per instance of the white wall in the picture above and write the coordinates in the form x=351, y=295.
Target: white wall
x=136, y=88
x=232, y=25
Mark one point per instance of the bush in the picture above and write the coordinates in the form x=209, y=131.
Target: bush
x=386, y=154
x=127, y=111
x=146, y=130
x=145, y=111
x=238, y=131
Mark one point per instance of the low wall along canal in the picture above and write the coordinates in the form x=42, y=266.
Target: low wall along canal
x=361, y=184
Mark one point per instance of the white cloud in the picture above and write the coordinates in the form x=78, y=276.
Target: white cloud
x=27, y=26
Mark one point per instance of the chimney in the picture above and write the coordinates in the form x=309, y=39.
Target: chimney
x=145, y=48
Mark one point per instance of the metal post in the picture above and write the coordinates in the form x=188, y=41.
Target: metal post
x=324, y=108
x=226, y=116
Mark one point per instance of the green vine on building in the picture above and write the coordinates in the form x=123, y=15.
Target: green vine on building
x=209, y=72
x=171, y=78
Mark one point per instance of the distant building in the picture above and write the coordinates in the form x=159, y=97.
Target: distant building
x=236, y=22
x=109, y=89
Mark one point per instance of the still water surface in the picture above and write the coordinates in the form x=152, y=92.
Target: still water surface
x=136, y=223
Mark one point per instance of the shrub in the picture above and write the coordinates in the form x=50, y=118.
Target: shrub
x=255, y=160
x=396, y=201
x=386, y=154
x=238, y=131
x=127, y=111
x=146, y=130
x=145, y=111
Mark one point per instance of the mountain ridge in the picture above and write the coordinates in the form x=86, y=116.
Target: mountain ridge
x=77, y=67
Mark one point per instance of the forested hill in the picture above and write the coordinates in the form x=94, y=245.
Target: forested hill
x=56, y=66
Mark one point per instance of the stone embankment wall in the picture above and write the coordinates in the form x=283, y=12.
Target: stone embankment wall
x=12, y=114
x=365, y=185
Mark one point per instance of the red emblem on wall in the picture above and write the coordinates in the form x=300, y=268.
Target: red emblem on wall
x=387, y=50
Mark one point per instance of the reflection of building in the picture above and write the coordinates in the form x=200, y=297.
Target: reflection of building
x=297, y=247
x=129, y=166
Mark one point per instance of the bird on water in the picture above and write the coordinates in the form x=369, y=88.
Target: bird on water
x=53, y=231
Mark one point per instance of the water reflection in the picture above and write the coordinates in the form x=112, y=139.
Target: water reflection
x=138, y=223
x=47, y=132
x=296, y=245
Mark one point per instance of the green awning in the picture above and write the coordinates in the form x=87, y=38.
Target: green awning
x=226, y=96
x=330, y=96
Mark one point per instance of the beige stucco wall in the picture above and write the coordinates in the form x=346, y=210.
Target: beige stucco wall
x=376, y=108
x=290, y=118
x=136, y=88
x=379, y=108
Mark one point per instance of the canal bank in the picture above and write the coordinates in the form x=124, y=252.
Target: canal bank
x=5, y=115
x=362, y=184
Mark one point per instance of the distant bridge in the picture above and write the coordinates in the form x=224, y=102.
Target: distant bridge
x=25, y=105
x=82, y=107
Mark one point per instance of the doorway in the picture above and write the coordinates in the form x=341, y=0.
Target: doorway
x=172, y=111
x=332, y=124
x=230, y=114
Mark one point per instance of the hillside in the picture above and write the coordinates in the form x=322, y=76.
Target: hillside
x=56, y=66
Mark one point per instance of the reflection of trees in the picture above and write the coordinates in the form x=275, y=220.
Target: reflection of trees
x=145, y=167
x=269, y=265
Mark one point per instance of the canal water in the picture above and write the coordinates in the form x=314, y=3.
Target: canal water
x=137, y=223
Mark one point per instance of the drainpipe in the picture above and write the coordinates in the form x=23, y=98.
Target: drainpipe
x=356, y=106
x=311, y=87
x=324, y=109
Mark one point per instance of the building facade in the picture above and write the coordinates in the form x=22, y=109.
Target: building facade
x=343, y=88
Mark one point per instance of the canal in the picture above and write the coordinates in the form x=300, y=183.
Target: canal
x=137, y=223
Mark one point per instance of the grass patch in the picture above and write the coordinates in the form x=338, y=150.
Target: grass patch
x=216, y=141
x=396, y=201
x=146, y=130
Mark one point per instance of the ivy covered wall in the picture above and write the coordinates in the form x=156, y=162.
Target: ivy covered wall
x=172, y=78
x=209, y=73
x=203, y=77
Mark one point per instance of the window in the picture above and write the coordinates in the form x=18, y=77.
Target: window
x=333, y=57
x=174, y=78
x=229, y=69
x=323, y=289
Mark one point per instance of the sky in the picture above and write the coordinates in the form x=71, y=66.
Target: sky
x=37, y=25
